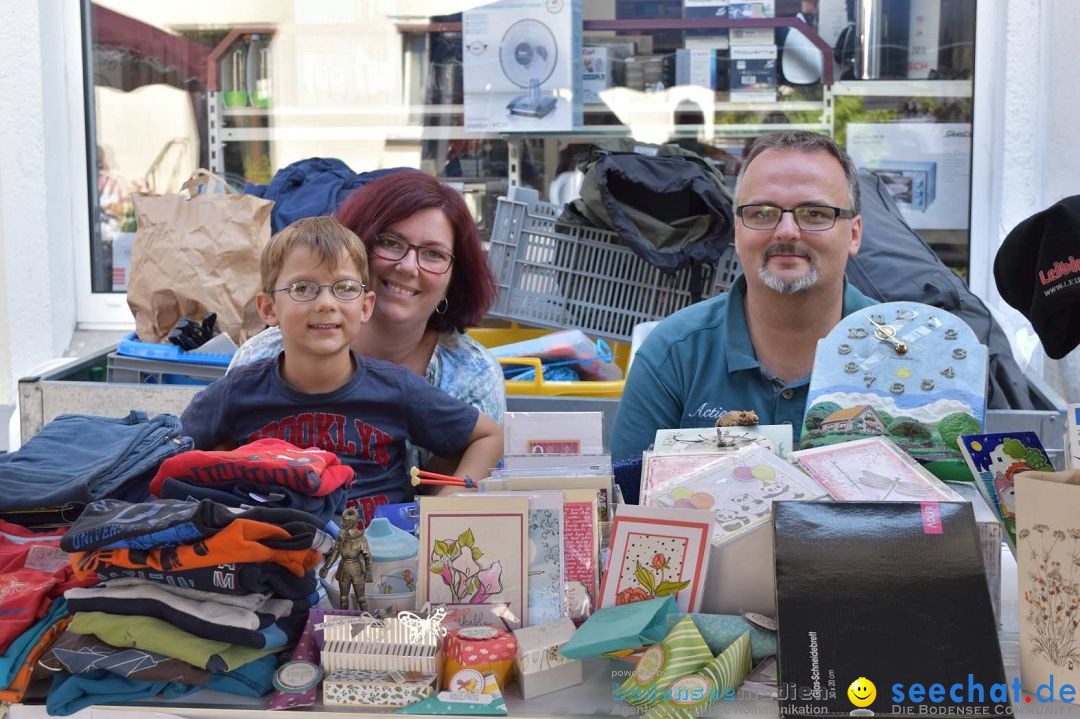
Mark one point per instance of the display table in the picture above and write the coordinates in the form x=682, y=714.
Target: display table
x=592, y=698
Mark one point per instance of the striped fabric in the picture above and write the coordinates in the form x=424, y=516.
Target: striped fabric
x=693, y=694
x=682, y=652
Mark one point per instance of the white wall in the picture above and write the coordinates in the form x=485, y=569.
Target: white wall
x=37, y=298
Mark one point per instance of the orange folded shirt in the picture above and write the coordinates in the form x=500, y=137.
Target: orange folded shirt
x=240, y=541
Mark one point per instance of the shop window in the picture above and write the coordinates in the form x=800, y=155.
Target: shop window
x=246, y=90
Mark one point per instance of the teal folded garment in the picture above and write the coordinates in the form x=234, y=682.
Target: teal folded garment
x=254, y=679
x=71, y=692
x=721, y=630
x=12, y=659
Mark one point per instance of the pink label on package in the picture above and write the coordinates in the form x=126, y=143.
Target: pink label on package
x=931, y=518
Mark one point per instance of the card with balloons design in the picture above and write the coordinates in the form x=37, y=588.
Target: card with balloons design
x=739, y=490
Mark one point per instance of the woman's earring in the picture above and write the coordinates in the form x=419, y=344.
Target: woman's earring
x=444, y=303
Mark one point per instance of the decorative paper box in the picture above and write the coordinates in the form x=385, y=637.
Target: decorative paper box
x=374, y=688
x=484, y=648
x=541, y=668
x=389, y=645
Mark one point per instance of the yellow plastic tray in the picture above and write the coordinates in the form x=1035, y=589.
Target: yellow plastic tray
x=495, y=337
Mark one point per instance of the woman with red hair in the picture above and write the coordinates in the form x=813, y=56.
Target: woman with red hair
x=431, y=281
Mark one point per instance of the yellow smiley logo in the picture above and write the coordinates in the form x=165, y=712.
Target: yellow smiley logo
x=862, y=692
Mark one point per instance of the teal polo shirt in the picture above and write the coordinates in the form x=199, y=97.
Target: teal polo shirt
x=698, y=364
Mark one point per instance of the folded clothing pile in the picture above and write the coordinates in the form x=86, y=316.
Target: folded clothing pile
x=34, y=573
x=78, y=458
x=192, y=594
x=266, y=473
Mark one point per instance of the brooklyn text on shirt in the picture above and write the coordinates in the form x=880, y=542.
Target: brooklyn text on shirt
x=327, y=431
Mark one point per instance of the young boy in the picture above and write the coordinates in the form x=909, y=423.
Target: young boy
x=318, y=393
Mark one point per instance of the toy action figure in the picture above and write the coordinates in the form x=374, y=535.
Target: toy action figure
x=352, y=548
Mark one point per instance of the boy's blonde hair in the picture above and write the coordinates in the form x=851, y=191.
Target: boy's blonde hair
x=327, y=238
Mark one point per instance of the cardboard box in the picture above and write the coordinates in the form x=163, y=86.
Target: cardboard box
x=541, y=669
x=743, y=9
x=697, y=67
x=121, y=260
x=752, y=36
x=741, y=579
x=753, y=73
x=705, y=8
x=596, y=73
x=373, y=688
x=520, y=64
x=717, y=41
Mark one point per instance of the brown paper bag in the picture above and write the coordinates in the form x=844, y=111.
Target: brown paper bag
x=198, y=255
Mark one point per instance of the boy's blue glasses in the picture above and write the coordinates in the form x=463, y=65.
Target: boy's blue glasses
x=306, y=290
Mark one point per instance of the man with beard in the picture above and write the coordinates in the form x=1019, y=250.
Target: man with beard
x=797, y=202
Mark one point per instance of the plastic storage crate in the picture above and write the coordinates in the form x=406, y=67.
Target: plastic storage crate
x=561, y=276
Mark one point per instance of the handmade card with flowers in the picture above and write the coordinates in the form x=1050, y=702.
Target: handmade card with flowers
x=657, y=552
x=474, y=557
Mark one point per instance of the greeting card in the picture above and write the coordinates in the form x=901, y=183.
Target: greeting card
x=1048, y=588
x=657, y=552
x=660, y=469
x=581, y=547
x=872, y=470
x=474, y=557
x=738, y=490
x=995, y=460
x=1072, y=438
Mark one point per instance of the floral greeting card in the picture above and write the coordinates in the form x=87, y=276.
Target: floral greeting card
x=474, y=556
x=1047, y=559
x=657, y=552
x=872, y=470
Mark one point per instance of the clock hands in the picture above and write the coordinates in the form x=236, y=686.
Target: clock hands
x=885, y=333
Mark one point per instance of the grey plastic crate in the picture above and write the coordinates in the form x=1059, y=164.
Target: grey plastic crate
x=122, y=368
x=560, y=276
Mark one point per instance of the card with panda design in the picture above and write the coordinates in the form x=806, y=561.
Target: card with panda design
x=738, y=491
x=657, y=552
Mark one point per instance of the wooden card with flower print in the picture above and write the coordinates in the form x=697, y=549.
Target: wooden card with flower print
x=1048, y=578
x=474, y=558
x=657, y=552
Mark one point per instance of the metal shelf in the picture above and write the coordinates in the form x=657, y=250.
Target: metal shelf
x=903, y=88
x=361, y=111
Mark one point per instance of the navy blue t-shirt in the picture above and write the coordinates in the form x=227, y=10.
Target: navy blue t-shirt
x=365, y=422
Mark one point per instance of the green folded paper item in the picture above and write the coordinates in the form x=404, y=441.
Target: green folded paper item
x=721, y=630
x=690, y=695
x=626, y=626
x=682, y=652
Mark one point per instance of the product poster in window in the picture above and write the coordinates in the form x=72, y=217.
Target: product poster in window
x=521, y=62
x=473, y=553
x=926, y=166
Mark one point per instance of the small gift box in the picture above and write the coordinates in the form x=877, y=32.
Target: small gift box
x=483, y=648
x=407, y=643
x=541, y=668
x=374, y=688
